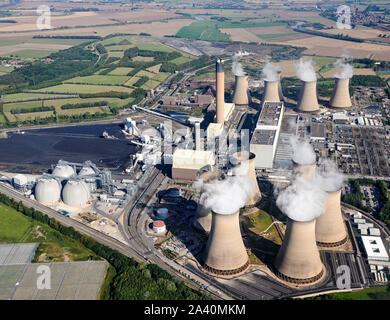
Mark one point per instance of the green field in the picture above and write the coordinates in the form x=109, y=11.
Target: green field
x=54, y=247
x=6, y=69
x=202, y=31
x=161, y=76
x=122, y=71
x=274, y=35
x=181, y=60
x=28, y=96
x=151, y=46
x=99, y=80
x=142, y=59
x=30, y=54
x=76, y=88
x=144, y=73
x=116, y=40
x=377, y=293
x=119, y=47
x=151, y=84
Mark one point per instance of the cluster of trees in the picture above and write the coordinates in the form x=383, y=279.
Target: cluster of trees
x=141, y=81
x=37, y=109
x=368, y=81
x=101, y=49
x=356, y=196
x=66, y=63
x=109, y=94
x=130, y=279
x=84, y=105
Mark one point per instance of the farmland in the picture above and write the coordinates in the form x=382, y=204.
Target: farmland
x=113, y=80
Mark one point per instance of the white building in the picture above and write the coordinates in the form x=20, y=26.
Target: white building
x=375, y=248
x=265, y=137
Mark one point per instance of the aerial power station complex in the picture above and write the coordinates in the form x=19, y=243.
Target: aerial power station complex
x=247, y=201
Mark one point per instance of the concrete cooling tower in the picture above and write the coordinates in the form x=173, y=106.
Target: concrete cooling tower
x=203, y=214
x=340, y=97
x=248, y=161
x=220, y=87
x=241, y=96
x=75, y=193
x=271, y=91
x=225, y=251
x=305, y=170
x=330, y=227
x=63, y=171
x=298, y=260
x=47, y=191
x=307, y=101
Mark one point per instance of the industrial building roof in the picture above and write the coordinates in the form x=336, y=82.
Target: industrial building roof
x=192, y=159
x=263, y=137
x=375, y=248
x=270, y=114
x=317, y=131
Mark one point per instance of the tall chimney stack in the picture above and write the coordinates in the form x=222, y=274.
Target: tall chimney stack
x=330, y=227
x=241, y=97
x=245, y=163
x=298, y=260
x=225, y=251
x=271, y=91
x=220, y=86
x=308, y=97
x=198, y=141
x=340, y=98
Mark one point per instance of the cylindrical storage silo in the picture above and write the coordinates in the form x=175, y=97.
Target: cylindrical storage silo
x=86, y=171
x=47, y=191
x=271, y=91
x=298, y=260
x=241, y=97
x=225, y=251
x=340, y=98
x=162, y=213
x=330, y=226
x=307, y=101
x=75, y=193
x=63, y=171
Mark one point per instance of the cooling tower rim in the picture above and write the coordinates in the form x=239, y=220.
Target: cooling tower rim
x=339, y=78
x=303, y=280
x=241, y=76
x=311, y=81
x=237, y=156
x=227, y=272
x=266, y=80
x=303, y=164
x=224, y=213
x=332, y=244
x=334, y=190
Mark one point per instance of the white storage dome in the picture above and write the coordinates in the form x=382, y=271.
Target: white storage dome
x=63, y=171
x=47, y=191
x=75, y=193
x=86, y=171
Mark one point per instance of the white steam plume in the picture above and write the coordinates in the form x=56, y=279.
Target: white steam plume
x=303, y=152
x=345, y=67
x=305, y=70
x=226, y=196
x=237, y=67
x=303, y=200
x=328, y=176
x=270, y=72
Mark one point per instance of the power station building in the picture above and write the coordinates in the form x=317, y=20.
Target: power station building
x=186, y=163
x=265, y=137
